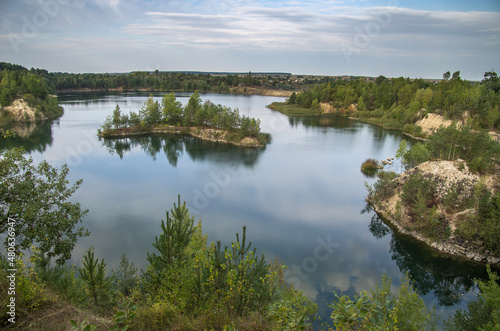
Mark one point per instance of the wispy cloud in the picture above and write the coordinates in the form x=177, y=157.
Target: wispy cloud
x=405, y=30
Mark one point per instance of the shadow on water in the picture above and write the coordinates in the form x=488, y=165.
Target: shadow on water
x=174, y=146
x=32, y=136
x=428, y=269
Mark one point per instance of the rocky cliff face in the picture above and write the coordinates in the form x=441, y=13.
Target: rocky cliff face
x=445, y=175
x=20, y=111
x=432, y=122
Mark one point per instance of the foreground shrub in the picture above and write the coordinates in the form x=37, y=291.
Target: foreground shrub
x=483, y=313
x=382, y=310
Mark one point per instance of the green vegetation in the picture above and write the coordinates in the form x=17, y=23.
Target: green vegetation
x=171, y=115
x=187, y=284
x=165, y=81
x=419, y=197
x=370, y=167
x=483, y=313
x=37, y=198
x=477, y=148
x=382, y=310
x=400, y=102
x=484, y=223
x=17, y=82
x=383, y=187
x=160, y=81
x=429, y=213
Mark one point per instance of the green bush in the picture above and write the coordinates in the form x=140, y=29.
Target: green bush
x=98, y=286
x=61, y=279
x=382, y=310
x=384, y=186
x=418, y=187
x=30, y=293
x=419, y=196
x=483, y=313
x=370, y=167
x=408, y=128
x=417, y=154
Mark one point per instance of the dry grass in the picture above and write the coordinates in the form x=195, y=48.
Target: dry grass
x=56, y=317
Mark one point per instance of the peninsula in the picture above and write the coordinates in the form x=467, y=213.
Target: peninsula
x=449, y=195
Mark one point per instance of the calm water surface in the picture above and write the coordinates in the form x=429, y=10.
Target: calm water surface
x=301, y=197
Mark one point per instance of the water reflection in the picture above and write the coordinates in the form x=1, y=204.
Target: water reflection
x=434, y=272
x=378, y=228
x=324, y=121
x=33, y=136
x=429, y=270
x=174, y=146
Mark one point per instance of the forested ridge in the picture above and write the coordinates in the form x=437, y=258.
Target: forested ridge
x=400, y=102
x=154, y=80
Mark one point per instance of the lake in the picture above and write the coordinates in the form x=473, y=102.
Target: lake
x=301, y=197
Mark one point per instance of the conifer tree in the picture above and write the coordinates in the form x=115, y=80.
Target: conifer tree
x=176, y=234
x=93, y=273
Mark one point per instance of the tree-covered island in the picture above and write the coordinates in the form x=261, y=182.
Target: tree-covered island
x=206, y=121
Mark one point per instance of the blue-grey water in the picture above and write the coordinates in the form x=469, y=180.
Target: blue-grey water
x=301, y=197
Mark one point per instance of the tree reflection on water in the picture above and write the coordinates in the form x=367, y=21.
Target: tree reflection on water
x=447, y=277
x=32, y=136
x=174, y=146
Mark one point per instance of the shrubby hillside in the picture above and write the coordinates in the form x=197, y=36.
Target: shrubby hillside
x=35, y=100
x=400, y=102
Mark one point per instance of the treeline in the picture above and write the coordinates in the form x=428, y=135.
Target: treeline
x=195, y=113
x=157, y=80
x=162, y=81
x=16, y=82
x=399, y=101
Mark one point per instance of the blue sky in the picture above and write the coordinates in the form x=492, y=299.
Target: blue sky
x=394, y=38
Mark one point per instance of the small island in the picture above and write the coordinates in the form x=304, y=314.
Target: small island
x=205, y=121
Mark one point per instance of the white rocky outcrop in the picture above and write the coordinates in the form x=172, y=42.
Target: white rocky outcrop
x=22, y=112
x=445, y=174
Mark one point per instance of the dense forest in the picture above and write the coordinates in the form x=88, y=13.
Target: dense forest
x=162, y=81
x=16, y=82
x=400, y=102
x=155, y=80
